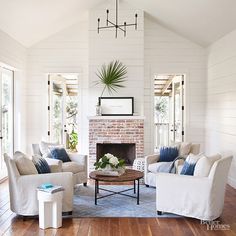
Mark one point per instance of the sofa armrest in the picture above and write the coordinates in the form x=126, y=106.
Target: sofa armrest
x=27, y=189
x=175, y=191
x=62, y=178
x=150, y=159
x=170, y=179
x=78, y=158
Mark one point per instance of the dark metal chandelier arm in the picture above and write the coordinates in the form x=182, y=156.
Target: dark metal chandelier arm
x=127, y=25
x=107, y=27
x=117, y=26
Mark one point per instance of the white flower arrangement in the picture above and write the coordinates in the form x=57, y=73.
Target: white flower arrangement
x=109, y=161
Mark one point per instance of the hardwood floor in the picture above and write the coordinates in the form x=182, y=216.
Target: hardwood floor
x=10, y=224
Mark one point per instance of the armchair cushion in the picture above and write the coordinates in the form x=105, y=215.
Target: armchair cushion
x=154, y=167
x=72, y=167
x=203, y=166
x=159, y=167
x=59, y=154
x=24, y=165
x=184, y=149
x=55, y=168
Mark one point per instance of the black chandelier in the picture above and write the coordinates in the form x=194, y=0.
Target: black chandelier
x=116, y=25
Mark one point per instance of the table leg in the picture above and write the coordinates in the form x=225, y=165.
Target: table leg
x=97, y=186
x=96, y=191
x=138, y=193
x=134, y=187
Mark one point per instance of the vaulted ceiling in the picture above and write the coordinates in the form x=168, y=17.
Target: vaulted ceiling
x=202, y=21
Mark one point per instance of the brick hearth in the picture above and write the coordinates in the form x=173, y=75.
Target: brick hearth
x=115, y=130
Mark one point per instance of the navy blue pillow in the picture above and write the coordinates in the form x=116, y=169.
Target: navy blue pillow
x=188, y=168
x=60, y=154
x=42, y=166
x=168, y=154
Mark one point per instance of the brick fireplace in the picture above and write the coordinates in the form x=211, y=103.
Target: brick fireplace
x=126, y=151
x=124, y=134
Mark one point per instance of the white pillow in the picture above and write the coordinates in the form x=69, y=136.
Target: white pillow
x=184, y=149
x=24, y=165
x=203, y=166
x=44, y=148
x=177, y=144
x=193, y=159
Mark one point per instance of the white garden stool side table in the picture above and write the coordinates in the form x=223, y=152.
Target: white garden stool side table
x=50, y=209
x=138, y=164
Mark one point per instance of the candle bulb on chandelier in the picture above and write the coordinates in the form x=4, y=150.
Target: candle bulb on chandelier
x=136, y=21
x=98, y=24
x=107, y=16
x=125, y=28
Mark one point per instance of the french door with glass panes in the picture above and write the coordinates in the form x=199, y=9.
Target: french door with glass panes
x=63, y=107
x=177, y=116
x=6, y=117
x=57, y=107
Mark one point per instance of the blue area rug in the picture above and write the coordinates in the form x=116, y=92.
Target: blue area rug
x=116, y=205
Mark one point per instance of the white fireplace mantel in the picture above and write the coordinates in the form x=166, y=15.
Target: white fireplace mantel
x=116, y=117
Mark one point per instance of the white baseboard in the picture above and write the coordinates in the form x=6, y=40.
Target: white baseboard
x=232, y=182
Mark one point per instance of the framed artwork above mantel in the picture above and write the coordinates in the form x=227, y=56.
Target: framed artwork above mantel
x=117, y=106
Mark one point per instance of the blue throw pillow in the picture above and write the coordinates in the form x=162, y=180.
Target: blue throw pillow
x=188, y=168
x=168, y=154
x=189, y=164
x=41, y=166
x=60, y=154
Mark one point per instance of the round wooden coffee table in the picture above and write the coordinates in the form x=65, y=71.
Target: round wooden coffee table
x=129, y=175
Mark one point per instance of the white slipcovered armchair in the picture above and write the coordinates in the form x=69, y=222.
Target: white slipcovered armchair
x=192, y=196
x=152, y=161
x=23, y=189
x=78, y=165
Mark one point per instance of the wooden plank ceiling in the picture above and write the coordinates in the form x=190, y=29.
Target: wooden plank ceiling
x=163, y=85
x=71, y=85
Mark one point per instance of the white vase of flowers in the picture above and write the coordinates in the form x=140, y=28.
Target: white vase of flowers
x=110, y=165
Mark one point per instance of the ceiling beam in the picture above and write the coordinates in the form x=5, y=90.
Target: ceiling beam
x=162, y=95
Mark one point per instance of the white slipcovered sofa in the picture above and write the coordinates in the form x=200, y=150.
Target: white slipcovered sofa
x=23, y=189
x=194, y=196
x=78, y=165
x=152, y=162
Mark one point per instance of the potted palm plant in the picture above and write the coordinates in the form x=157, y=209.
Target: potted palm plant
x=111, y=77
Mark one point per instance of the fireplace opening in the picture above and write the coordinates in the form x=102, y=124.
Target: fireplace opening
x=124, y=151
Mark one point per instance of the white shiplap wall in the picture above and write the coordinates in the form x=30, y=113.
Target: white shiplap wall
x=149, y=50
x=80, y=48
x=221, y=100
x=13, y=54
x=165, y=53
x=64, y=52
